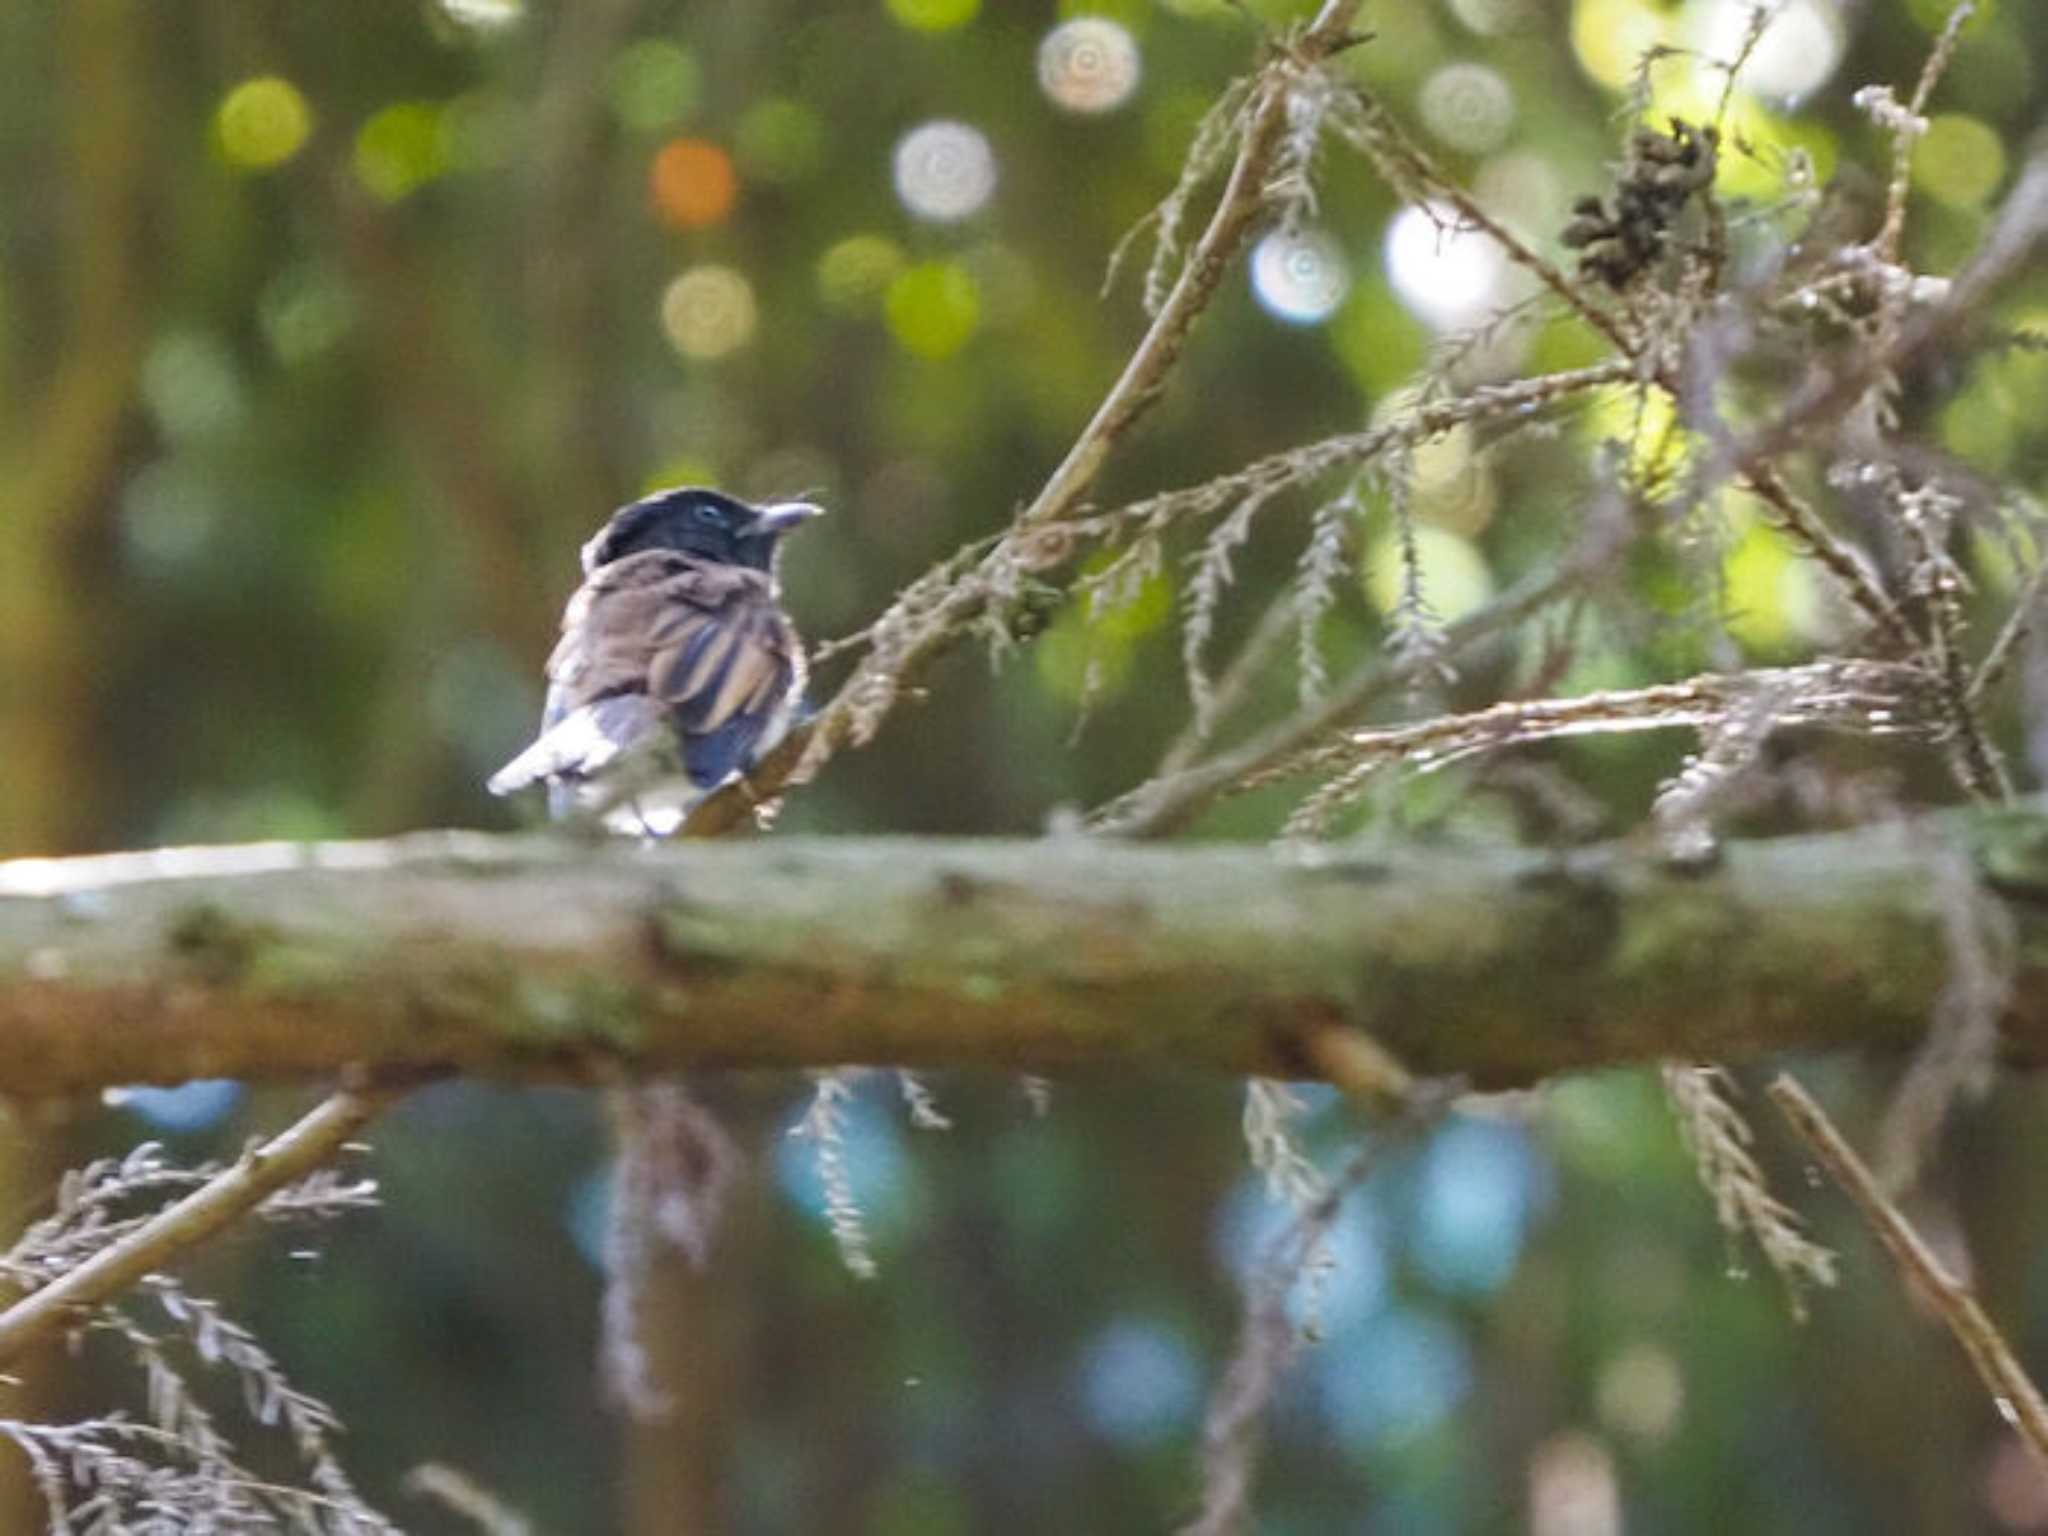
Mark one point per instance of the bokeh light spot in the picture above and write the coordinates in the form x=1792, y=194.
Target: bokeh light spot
x=304, y=310
x=1404, y=1373
x=1799, y=49
x=1455, y=579
x=484, y=16
x=1959, y=161
x=934, y=15
x=182, y=1110
x=400, y=150
x=653, y=84
x=944, y=171
x=1468, y=106
x=191, y=385
x=709, y=311
x=780, y=139
x=1300, y=275
x=1611, y=36
x=692, y=184
x=262, y=123
x=1772, y=598
x=933, y=309
x=1474, y=1198
x=1640, y=1392
x=1139, y=1383
x=1495, y=18
x=1090, y=64
x=1448, y=277
x=854, y=273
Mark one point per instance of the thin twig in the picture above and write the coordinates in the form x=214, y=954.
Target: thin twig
x=2006, y=251
x=1244, y=198
x=257, y=1174
x=2012, y=1390
x=1375, y=134
x=1358, y=1064
x=1167, y=805
x=1141, y=383
x=1944, y=50
x=2018, y=625
x=1839, y=559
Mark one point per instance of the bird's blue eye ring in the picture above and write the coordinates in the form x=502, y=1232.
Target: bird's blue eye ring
x=711, y=515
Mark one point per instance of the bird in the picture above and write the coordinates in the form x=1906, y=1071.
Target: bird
x=677, y=669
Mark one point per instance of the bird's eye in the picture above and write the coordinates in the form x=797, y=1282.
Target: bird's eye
x=712, y=515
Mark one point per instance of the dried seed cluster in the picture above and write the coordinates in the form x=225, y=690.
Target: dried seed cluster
x=1662, y=173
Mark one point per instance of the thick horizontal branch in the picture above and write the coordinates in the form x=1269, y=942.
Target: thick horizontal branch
x=534, y=958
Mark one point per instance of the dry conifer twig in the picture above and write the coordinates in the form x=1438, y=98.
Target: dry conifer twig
x=2012, y=1391
x=1719, y=1137
x=855, y=711
x=258, y=1173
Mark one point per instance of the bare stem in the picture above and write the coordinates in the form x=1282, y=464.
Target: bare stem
x=1136, y=389
x=1168, y=804
x=2012, y=1390
x=260, y=1172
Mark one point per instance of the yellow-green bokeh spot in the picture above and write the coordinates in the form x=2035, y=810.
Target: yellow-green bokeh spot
x=779, y=139
x=1758, y=151
x=1772, y=596
x=1960, y=160
x=653, y=85
x=1646, y=424
x=1978, y=428
x=262, y=123
x=1933, y=15
x=1379, y=342
x=400, y=150
x=1455, y=578
x=933, y=309
x=683, y=469
x=2012, y=382
x=1088, y=651
x=854, y=273
x=2001, y=560
x=1612, y=36
x=934, y=15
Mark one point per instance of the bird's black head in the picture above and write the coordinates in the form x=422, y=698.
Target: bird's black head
x=698, y=522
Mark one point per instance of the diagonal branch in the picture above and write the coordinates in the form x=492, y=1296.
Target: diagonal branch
x=2018, y=1400
x=849, y=717
x=221, y=1201
x=539, y=959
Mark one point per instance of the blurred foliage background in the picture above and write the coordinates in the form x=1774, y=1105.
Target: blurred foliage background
x=327, y=333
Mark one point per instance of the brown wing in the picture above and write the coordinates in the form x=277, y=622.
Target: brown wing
x=706, y=645
x=726, y=669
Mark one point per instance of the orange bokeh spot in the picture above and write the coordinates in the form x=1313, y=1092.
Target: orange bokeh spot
x=693, y=183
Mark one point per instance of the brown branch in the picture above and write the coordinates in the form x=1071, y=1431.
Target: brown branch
x=1243, y=200
x=1137, y=388
x=1411, y=172
x=537, y=959
x=259, y=1173
x=1905, y=137
x=1170, y=804
x=1838, y=558
x=2008, y=246
x=2012, y=1390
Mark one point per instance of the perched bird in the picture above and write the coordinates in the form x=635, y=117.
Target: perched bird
x=677, y=668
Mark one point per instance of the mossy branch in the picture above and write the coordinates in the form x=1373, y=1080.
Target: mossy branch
x=526, y=958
